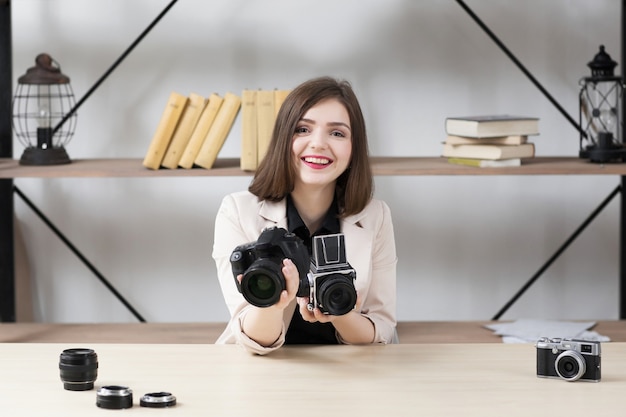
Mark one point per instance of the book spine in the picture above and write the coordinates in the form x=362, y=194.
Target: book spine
x=201, y=130
x=164, y=131
x=219, y=131
x=183, y=131
x=279, y=99
x=265, y=121
x=248, y=131
x=499, y=140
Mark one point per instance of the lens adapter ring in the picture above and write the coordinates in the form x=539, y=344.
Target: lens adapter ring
x=114, y=397
x=158, y=400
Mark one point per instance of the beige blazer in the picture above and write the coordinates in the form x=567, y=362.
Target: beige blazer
x=370, y=249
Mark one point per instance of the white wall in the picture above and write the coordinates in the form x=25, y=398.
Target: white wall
x=465, y=244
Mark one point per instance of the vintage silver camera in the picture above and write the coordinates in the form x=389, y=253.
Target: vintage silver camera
x=568, y=359
x=330, y=281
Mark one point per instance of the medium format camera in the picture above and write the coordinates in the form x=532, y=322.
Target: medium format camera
x=568, y=359
x=330, y=281
x=261, y=264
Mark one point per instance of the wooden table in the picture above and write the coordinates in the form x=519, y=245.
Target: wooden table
x=394, y=380
x=185, y=333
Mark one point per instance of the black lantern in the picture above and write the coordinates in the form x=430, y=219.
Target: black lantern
x=600, y=112
x=42, y=113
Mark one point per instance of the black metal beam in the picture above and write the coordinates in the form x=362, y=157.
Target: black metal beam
x=558, y=253
x=521, y=66
x=115, y=65
x=78, y=254
x=622, y=225
x=7, y=248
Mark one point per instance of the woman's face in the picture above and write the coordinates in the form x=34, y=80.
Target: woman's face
x=322, y=144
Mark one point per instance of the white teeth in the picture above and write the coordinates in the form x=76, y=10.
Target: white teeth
x=320, y=161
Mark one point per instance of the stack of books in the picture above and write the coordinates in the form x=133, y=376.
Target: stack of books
x=192, y=131
x=489, y=141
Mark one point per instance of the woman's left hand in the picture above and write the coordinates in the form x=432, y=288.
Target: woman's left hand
x=316, y=315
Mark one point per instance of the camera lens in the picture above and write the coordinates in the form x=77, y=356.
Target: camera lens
x=78, y=368
x=114, y=397
x=570, y=365
x=336, y=294
x=262, y=286
x=262, y=283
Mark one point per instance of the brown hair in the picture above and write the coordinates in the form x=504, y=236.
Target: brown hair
x=274, y=178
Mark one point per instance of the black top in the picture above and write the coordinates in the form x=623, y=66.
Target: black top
x=300, y=331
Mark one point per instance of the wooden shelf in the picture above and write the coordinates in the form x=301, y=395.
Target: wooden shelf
x=382, y=165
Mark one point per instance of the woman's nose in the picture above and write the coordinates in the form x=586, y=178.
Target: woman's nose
x=318, y=140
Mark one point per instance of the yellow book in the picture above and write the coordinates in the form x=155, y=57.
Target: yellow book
x=486, y=163
x=164, y=131
x=183, y=131
x=248, y=131
x=219, y=131
x=498, y=140
x=265, y=121
x=525, y=150
x=201, y=130
x=279, y=99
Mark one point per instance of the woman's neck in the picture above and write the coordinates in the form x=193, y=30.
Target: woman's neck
x=312, y=205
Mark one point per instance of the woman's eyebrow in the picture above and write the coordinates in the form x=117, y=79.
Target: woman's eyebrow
x=347, y=126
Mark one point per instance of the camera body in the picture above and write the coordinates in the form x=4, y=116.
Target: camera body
x=261, y=263
x=568, y=359
x=330, y=281
x=326, y=277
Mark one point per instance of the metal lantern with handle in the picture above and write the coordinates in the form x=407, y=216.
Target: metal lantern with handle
x=600, y=112
x=42, y=113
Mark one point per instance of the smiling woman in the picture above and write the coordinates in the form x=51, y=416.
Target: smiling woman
x=315, y=182
x=322, y=147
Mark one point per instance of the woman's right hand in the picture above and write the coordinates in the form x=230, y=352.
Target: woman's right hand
x=264, y=325
x=292, y=282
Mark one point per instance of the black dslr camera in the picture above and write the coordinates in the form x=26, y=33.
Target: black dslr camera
x=261, y=264
x=568, y=359
x=330, y=281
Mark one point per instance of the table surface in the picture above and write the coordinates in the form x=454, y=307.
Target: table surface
x=223, y=380
x=189, y=333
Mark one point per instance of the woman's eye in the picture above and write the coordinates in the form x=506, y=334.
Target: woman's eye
x=338, y=134
x=301, y=129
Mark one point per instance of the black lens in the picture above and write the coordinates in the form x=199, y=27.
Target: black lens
x=570, y=365
x=336, y=294
x=262, y=283
x=78, y=368
x=262, y=286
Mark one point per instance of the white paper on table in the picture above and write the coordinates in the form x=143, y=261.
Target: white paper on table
x=530, y=330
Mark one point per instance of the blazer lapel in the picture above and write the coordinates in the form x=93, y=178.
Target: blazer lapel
x=273, y=213
x=358, y=242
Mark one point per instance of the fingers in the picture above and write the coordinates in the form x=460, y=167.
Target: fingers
x=292, y=278
x=305, y=311
x=312, y=315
